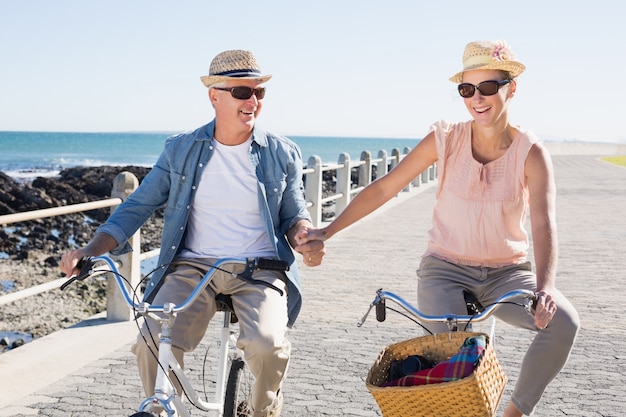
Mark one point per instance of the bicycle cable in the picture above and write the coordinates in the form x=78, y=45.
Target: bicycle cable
x=409, y=317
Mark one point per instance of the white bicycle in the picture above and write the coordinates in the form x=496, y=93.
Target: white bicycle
x=233, y=382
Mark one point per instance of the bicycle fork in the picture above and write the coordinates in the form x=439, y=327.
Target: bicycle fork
x=222, y=360
x=164, y=392
x=165, y=396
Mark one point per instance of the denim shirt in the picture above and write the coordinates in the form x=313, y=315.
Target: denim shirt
x=172, y=183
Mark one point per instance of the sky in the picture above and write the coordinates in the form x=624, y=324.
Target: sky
x=340, y=67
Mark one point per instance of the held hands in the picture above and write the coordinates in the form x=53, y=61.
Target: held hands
x=310, y=243
x=545, y=309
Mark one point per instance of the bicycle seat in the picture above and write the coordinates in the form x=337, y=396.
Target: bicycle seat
x=225, y=303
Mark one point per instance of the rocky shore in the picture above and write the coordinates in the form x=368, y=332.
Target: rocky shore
x=30, y=251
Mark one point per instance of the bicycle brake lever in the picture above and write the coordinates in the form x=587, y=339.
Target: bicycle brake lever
x=84, y=264
x=367, y=313
x=531, y=305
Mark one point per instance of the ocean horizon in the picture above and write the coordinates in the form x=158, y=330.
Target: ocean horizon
x=30, y=154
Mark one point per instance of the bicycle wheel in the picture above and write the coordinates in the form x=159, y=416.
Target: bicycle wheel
x=238, y=390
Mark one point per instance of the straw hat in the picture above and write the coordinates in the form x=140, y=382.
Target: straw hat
x=233, y=64
x=484, y=55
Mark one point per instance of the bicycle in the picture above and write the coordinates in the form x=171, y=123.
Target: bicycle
x=475, y=395
x=233, y=379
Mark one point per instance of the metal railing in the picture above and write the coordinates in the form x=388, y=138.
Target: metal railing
x=125, y=183
x=345, y=188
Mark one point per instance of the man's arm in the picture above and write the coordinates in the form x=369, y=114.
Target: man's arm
x=101, y=243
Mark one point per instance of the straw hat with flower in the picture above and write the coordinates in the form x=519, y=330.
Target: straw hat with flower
x=233, y=64
x=483, y=55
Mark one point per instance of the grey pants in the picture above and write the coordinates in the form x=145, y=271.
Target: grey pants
x=440, y=291
x=262, y=314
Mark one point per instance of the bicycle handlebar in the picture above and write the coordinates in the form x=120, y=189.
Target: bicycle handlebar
x=87, y=269
x=450, y=319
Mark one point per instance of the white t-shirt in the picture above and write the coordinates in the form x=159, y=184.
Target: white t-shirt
x=225, y=219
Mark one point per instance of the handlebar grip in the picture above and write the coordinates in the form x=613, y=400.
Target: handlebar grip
x=272, y=264
x=67, y=283
x=381, y=311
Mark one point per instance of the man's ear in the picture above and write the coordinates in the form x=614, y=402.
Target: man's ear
x=212, y=95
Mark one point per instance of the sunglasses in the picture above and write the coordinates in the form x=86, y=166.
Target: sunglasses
x=486, y=88
x=244, y=93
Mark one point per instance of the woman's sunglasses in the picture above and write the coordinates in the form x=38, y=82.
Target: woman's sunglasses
x=244, y=93
x=486, y=88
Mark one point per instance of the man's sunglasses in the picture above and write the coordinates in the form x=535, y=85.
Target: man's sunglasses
x=486, y=88
x=244, y=93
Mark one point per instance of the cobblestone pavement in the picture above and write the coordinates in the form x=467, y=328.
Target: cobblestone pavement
x=331, y=356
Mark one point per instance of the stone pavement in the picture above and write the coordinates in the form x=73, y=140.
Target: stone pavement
x=331, y=356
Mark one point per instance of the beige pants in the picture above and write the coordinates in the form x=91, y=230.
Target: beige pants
x=262, y=314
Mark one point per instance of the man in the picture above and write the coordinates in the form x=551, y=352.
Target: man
x=230, y=189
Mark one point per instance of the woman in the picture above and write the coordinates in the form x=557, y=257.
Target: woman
x=492, y=174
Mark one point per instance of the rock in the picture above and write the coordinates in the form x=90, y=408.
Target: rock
x=51, y=261
x=72, y=186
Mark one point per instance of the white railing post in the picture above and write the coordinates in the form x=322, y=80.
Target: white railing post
x=395, y=158
x=433, y=171
x=365, y=170
x=313, y=189
x=383, y=166
x=343, y=183
x=425, y=176
x=124, y=184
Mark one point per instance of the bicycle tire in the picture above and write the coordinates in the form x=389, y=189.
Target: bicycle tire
x=238, y=390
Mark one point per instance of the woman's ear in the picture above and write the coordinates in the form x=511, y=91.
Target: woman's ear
x=512, y=88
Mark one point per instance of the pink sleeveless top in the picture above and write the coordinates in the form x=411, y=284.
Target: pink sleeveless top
x=481, y=209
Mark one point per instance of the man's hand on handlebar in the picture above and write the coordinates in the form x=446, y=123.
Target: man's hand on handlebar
x=101, y=243
x=69, y=262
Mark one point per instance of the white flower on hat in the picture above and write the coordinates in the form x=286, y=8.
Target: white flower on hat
x=502, y=51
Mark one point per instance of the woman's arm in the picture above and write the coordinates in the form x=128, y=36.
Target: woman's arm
x=542, y=195
x=383, y=189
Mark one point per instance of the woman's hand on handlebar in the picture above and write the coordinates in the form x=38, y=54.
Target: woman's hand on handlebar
x=545, y=308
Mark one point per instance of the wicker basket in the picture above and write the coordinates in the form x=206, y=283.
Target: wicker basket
x=478, y=395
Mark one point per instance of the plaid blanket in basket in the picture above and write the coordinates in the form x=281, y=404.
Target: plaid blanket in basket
x=459, y=366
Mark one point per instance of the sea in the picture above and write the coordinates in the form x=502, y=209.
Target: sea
x=26, y=155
